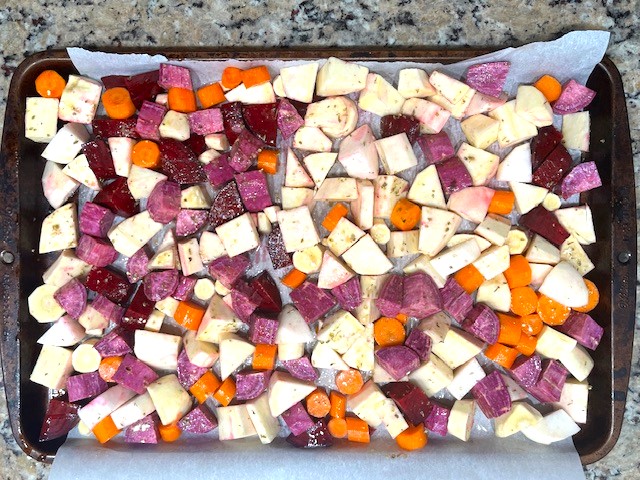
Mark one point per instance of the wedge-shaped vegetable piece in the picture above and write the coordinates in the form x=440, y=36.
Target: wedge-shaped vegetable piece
x=267, y=427
x=454, y=258
x=576, y=129
x=397, y=360
x=133, y=233
x=367, y=404
x=521, y=416
x=211, y=247
x=367, y=312
x=361, y=353
x=319, y=164
x=371, y=285
x=578, y=362
x=218, y=319
x=195, y=197
x=338, y=189
x=471, y=203
x=572, y=252
x=494, y=228
x=59, y=230
x=235, y=422
x=366, y=258
x=465, y=377
x=541, y=251
x=340, y=331
x=323, y=356
x=432, y=376
x=436, y=326
x=532, y=105
x=457, y=110
x=414, y=82
x=79, y=170
x=362, y=208
x=459, y=238
x=238, y=235
x=574, y=97
x=298, y=230
x=335, y=116
x=79, y=100
x=292, y=327
x=343, y=236
x=299, y=81
x=358, y=153
x=426, y=189
x=457, y=348
x=480, y=130
x=57, y=185
x=516, y=166
x=460, y=420
x=172, y=402
x=493, y=261
x=104, y=404
x=141, y=181
x=552, y=428
x=66, y=144
x=380, y=97
x=564, y=284
x=388, y=190
x=513, y=128
x=201, y=354
x=333, y=272
x=294, y=197
x=581, y=178
x=41, y=119
x=158, y=350
x=396, y=153
x=481, y=165
x=412, y=401
x=233, y=352
x=295, y=175
x=337, y=77
x=65, y=332
x=584, y=329
x=312, y=139
x=483, y=323
x=495, y=293
x=574, y=399
x=578, y=222
x=492, y=395
x=421, y=297
x=553, y=344
x=551, y=381
x=450, y=88
x=488, y=78
x=436, y=229
x=285, y=391
x=52, y=367
x=175, y=125
x=423, y=264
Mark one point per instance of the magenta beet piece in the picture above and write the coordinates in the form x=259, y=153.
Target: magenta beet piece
x=584, y=329
x=185, y=287
x=114, y=286
x=104, y=128
x=117, y=342
x=492, y=395
x=574, y=97
x=196, y=143
x=179, y=163
x=204, y=122
x=297, y=419
x=437, y=419
x=288, y=118
x=277, y=251
x=397, y=360
x=134, y=374
x=583, y=177
x=199, y=420
x=61, y=417
x=543, y=144
x=245, y=151
x=229, y=269
x=419, y=342
x=160, y=285
x=72, y=296
x=143, y=431
x=174, y=76
x=114, y=81
x=551, y=381
x=453, y=175
x=139, y=310
x=266, y=287
x=117, y=197
x=244, y=300
x=254, y=190
x=108, y=309
x=301, y=368
x=488, y=78
x=137, y=266
x=411, y=400
x=250, y=385
x=262, y=121
x=526, y=370
x=95, y=251
x=349, y=294
x=164, y=201
x=263, y=329
x=436, y=147
x=218, y=170
x=389, y=300
x=95, y=220
x=85, y=385
x=316, y=437
x=393, y=124
x=483, y=323
x=312, y=302
x=421, y=297
x=544, y=223
x=226, y=205
x=149, y=120
x=187, y=372
x=143, y=86
x=99, y=158
x=455, y=301
x=553, y=168
x=190, y=221
x=233, y=120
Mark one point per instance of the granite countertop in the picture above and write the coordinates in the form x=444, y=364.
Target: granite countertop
x=29, y=26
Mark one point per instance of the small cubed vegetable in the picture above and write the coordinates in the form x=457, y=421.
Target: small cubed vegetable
x=456, y=301
x=85, y=385
x=583, y=328
x=159, y=285
x=574, y=97
x=546, y=224
x=549, y=385
x=228, y=270
x=311, y=301
x=134, y=374
x=250, y=385
x=297, y=419
x=60, y=418
x=244, y=151
x=72, y=297
x=253, y=190
x=114, y=286
x=143, y=431
x=95, y=251
x=198, y=420
x=413, y=402
x=187, y=372
x=438, y=419
x=349, y=294
x=419, y=342
x=526, y=370
x=301, y=368
x=118, y=341
x=583, y=177
x=317, y=436
x=482, y=322
x=488, y=78
x=398, y=360
x=164, y=201
x=95, y=220
x=390, y=298
x=436, y=147
x=421, y=297
x=263, y=329
x=492, y=395
x=266, y=287
x=454, y=175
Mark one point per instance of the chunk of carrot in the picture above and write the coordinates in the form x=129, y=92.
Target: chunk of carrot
x=502, y=202
x=50, y=84
x=531, y=324
x=264, y=357
x=231, y=77
x=405, y=215
x=210, y=95
x=501, y=354
x=550, y=87
x=146, y=154
x=268, y=161
x=349, y=382
x=388, y=332
x=334, y=215
x=118, y=104
x=527, y=344
x=510, y=330
x=551, y=312
x=519, y=272
x=524, y=301
x=337, y=427
x=318, y=403
x=338, y=404
x=105, y=430
x=169, y=433
x=594, y=297
x=226, y=392
x=402, y=318
x=294, y=278
x=469, y=278
x=189, y=314
x=206, y=386
x=255, y=76
x=108, y=367
x=181, y=100
x=357, y=430
x=413, y=438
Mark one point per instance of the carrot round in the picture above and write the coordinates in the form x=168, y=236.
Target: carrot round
x=170, y=433
x=469, y=278
x=205, y=386
x=108, y=367
x=264, y=357
x=594, y=297
x=50, y=84
x=519, y=272
x=334, y=215
x=349, y=382
x=268, y=161
x=105, y=430
x=255, y=76
x=231, y=77
x=405, y=215
x=117, y=103
x=337, y=427
x=181, y=100
x=210, y=95
x=501, y=354
x=402, y=318
x=294, y=278
x=502, y=202
x=388, y=331
x=338, y=404
x=146, y=154
x=413, y=438
x=510, y=330
x=318, y=403
x=357, y=430
x=189, y=314
x=524, y=301
x=550, y=87
x=552, y=312
x=226, y=392
x=527, y=344
x=531, y=324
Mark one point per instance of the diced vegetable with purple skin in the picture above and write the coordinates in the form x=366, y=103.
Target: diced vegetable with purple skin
x=455, y=301
x=263, y=328
x=581, y=178
x=436, y=147
x=301, y=368
x=574, y=98
x=105, y=128
x=411, y=400
x=245, y=300
x=160, y=285
x=266, y=287
x=187, y=372
x=453, y=175
x=138, y=311
x=312, y=302
x=204, y=122
x=179, y=163
x=297, y=419
x=543, y=144
x=85, y=385
x=398, y=360
x=137, y=266
x=60, y=418
x=149, y=119
x=245, y=151
x=226, y=205
x=218, y=170
x=143, y=431
x=233, y=120
x=117, y=342
x=229, y=270
x=99, y=158
x=143, y=86
x=164, y=201
x=262, y=121
x=189, y=221
x=544, y=223
x=95, y=220
x=174, y=76
x=289, y=120
x=550, y=383
x=483, y=323
x=185, y=288
x=421, y=296
x=393, y=124
x=95, y=251
x=583, y=328
x=134, y=374
x=108, y=309
x=72, y=296
x=526, y=370
x=438, y=419
x=553, y=168
x=419, y=342
x=117, y=197
x=199, y=420
x=316, y=437
x=196, y=143
x=492, y=395
x=254, y=190
x=349, y=294
x=250, y=385
x=488, y=78
x=109, y=284
x=277, y=251
x=389, y=300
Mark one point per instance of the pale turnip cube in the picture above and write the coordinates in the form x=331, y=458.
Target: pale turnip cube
x=79, y=100
x=41, y=119
x=67, y=143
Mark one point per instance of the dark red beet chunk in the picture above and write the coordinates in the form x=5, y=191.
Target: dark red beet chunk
x=553, y=168
x=262, y=121
x=277, y=251
x=546, y=224
x=226, y=206
x=104, y=128
x=60, y=419
x=300, y=107
x=99, y=158
x=113, y=81
x=143, y=86
x=393, y=124
x=266, y=287
x=117, y=197
x=138, y=311
x=106, y=282
x=196, y=143
x=543, y=144
x=411, y=400
x=317, y=436
x=233, y=120
x=179, y=163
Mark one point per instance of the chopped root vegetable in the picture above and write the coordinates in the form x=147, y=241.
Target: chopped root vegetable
x=519, y=272
x=189, y=315
x=170, y=433
x=318, y=403
x=118, y=104
x=502, y=202
x=210, y=95
x=405, y=215
x=510, y=330
x=501, y=354
x=552, y=312
x=388, y=331
x=469, y=278
x=357, y=430
x=338, y=211
x=181, y=100
x=105, y=430
x=206, y=386
x=349, y=382
x=255, y=76
x=524, y=301
x=226, y=392
x=550, y=87
x=231, y=77
x=402, y=318
x=413, y=438
x=338, y=405
x=594, y=297
x=527, y=344
x=50, y=84
x=264, y=357
x=531, y=324
x=268, y=161
x=294, y=278
x=108, y=367
x=337, y=427
x=146, y=154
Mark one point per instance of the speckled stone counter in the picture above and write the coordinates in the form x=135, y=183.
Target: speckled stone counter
x=29, y=26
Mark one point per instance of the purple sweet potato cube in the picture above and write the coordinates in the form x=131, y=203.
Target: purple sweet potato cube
x=198, y=420
x=348, y=294
x=229, y=269
x=312, y=302
x=421, y=297
x=550, y=383
x=134, y=374
x=250, y=385
x=72, y=296
x=301, y=368
x=204, y=122
x=149, y=120
x=297, y=419
x=188, y=373
x=453, y=175
x=411, y=400
x=437, y=419
x=174, y=76
x=137, y=266
x=289, y=120
x=185, y=287
x=263, y=329
x=108, y=309
x=95, y=251
x=492, y=395
x=419, y=342
x=455, y=301
x=488, y=78
x=95, y=220
x=143, y=431
x=245, y=151
x=164, y=201
x=160, y=284
x=85, y=385
x=436, y=147
x=245, y=300
x=583, y=328
x=218, y=170
x=389, y=300
x=483, y=323
x=189, y=221
x=574, y=97
x=254, y=190
x=397, y=360
x=526, y=370
x=582, y=178
x=117, y=342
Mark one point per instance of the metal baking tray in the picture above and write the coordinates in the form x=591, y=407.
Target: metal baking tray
x=24, y=207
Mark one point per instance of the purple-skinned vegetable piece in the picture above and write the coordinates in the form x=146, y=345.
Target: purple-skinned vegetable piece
x=199, y=420
x=263, y=328
x=316, y=437
x=229, y=269
x=397, y=360
x=526, y=370
x=245, y=300
x=583, y=328
x=187, y=372
x=455, y=301
x=160, y=285
x=143, y=431
x=389, y=300
x=421, y=297
x=164, y=201
x=438, y=419
x=312, y=302
x=254, y=190
x=301, y=368
x=95, y=251
x=483, y=323
x=436, y=147
x=189, y=221
x=289, y=120
x=419, y=342
x=581, y=178
x=349, y=294
x=488, y=78
x=262, y=121
x=492, y=395
x=117, y=342
x=453, y=175
x=204, y=122
x=574, y=97
x=85, y=385
x=185, y=287
x=134, y=374
x=297, y=419
x=95, y=220
x=138, y=266
x=149, y=119
x=411, y=400
x=250, y=385
x=218, y=170
x=174, y=76
x=245, y=151
x=108, y=309
x=551, y=381
x=72, y=296
x=233, y=120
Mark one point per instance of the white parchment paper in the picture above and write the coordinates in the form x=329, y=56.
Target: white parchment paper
x=203, y=457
